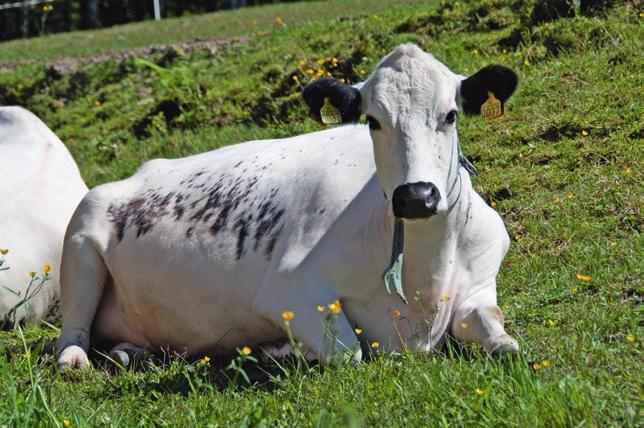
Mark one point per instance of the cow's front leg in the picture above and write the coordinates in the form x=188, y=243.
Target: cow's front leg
x=324, y=330
x=478, y=319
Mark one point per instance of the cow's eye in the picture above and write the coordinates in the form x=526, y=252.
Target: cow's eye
x=373, y=123
x=451, y=117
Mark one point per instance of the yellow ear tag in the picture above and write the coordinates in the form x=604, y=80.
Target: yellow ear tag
x=491, y=109
x=329, y=113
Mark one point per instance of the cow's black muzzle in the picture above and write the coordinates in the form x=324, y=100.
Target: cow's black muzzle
x=415, y=200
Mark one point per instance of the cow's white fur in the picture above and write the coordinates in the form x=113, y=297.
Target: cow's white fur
x=167, y=288
x=40, y=186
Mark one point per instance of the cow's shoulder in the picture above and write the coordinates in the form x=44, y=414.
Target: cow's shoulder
x=484, y=236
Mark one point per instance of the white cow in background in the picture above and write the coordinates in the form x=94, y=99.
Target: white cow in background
x=40, y=187
x=206, y=253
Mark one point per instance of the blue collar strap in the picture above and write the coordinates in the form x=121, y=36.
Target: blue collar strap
x=465, y=163
x=393, y=275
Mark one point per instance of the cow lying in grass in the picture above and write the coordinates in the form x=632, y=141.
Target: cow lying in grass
x=212, y=252
x=40, y=186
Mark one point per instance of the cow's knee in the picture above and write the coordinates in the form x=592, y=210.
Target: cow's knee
x=73, y=357
x=483, y=324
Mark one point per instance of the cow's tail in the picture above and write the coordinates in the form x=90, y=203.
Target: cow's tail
x=82, y=277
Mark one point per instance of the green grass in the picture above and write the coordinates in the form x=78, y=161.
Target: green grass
x=563, y=167
x=229, y=23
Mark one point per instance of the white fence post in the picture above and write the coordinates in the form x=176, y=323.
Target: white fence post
x=157, y=10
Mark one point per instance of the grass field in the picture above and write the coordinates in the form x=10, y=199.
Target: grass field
x=562, y=168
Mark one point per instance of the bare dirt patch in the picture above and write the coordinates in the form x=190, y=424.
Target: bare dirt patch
x=70, y=65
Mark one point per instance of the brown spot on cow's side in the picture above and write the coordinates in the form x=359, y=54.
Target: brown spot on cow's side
x=178, y=211
x=271, y=244
x=242, y=225
x=215, y=201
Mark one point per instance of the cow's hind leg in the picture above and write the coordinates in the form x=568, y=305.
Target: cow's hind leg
x=126, y=354
x=83, y=276
x=478, y=319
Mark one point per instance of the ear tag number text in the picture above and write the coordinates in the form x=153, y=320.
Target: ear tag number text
x=491, y=109
x=329, y=113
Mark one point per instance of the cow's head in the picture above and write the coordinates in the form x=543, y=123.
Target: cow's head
x=411, y=102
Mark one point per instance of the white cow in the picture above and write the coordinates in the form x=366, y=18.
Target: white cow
x=40, y=187
x=204, y=254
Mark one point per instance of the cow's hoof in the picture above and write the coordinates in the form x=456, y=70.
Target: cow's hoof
x=120, y=357
x=73, y=357
x=505, y=352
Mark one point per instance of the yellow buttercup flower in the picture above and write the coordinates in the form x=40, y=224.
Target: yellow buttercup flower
x=288, y=315
x=479, y=392
x=246, y=350
x=204, y=361
x=46, y=268
x=358, y=331
x=526, y=62
x=545, y=363
x=517, y=237
x=67, y=422
x=4, y=251
x=395, y=313
x=584, y=133
x=628, y=170
x=493, y=204
x=570, y=196
x=32, y=274
x=375, y=345
x=321, y=308
x=309, y=71
x=630, y=338
x=536, y=366
x=335, y=307
x=584, y=278
x=97, y=103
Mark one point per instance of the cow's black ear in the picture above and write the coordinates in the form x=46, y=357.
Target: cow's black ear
x=499, y=80
x=344, y=97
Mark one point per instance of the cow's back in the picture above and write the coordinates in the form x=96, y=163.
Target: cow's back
x=193, y=238
x=40, y=187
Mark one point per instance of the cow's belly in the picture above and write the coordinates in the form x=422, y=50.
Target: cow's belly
x=182, y=295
